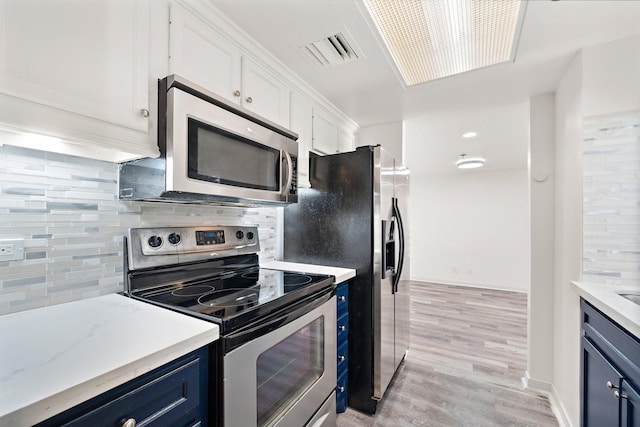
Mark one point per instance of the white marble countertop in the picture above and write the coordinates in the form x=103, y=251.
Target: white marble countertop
x=341, y=274
x=606, y=299
x=56, y=357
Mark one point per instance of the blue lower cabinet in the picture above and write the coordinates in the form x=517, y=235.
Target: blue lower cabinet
x=343, y=347
x=343, y=358
x=341, y=393
x=175, y=394
x=610, y=378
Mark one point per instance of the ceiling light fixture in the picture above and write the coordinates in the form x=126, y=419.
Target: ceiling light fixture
x=429, y=40
x=469, y=163
x=470, y=134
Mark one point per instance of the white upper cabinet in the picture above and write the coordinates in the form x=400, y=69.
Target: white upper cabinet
x=325, y=132
x=264, y=94
x=302, y=124
x=346, y=140
x=200, y=54
x=205, y=56
x=79, y=71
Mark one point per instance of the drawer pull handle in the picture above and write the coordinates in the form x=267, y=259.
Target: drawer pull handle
x=341, y=389
x=249, y=100
x=618, y=395
x=343, y=328
x=610, y=386
x=343, y=298
x=131, y=422
x=341, y=358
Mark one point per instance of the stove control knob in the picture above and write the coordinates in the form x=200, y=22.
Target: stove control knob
x=250, y=235
x=240, y=234
x=174, y=238
x=155, y=241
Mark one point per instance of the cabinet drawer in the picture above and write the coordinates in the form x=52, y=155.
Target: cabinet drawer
x=343, y=357
x=174, y=394
x=342, y=294
x=343, y=328
x=620, y=346
x=341, y=393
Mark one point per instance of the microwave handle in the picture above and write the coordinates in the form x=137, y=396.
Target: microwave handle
x=285, y=190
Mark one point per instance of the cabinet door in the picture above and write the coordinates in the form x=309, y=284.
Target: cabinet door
x=90, y=58
x=325, y=132
x=202, y=55
x=302, y=124
x=264, y=94
x=630, y=405
x=346, y=140
x=600, y=405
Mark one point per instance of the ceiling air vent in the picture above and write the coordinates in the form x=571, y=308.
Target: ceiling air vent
x=332, y=50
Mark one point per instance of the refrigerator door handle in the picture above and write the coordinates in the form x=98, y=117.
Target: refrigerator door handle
x=398, y=215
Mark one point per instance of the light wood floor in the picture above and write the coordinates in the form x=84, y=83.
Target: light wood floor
x=464, y=367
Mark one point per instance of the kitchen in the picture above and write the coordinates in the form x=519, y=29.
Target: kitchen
x=67, y=211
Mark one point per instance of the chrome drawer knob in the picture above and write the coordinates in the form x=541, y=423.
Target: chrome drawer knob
x=343, y=328
x=610, y=385
x=343, y=298
x=131, y=422
x=618, y=395
x=249, y=100
x=341, y=389
x=342, y=358
x=144, y=112
x=236, y=93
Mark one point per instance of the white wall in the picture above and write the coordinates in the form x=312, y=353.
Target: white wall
x=612, y=71
x=388, y=135
x=567, y=243
x=541, y=189
x=471, y=228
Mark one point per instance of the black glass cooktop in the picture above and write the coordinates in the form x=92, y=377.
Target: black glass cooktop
x=235, y=298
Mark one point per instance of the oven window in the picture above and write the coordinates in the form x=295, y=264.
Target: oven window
x=221, y=157
x=287, y=370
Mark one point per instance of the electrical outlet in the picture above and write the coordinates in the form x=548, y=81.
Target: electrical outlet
x=11, y=249
x=6, y=249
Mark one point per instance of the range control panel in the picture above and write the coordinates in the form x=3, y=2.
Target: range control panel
x=206, y=241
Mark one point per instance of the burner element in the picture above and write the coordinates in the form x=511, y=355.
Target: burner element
x=235, y=297
x=296, y=279
x=192, y=291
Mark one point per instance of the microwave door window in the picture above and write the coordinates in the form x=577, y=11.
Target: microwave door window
x=224, y=158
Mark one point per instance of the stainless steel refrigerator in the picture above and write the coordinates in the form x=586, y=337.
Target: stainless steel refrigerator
x=355, y=216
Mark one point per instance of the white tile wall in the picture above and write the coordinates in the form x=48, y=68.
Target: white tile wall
x=611, y=220
x=66, y=208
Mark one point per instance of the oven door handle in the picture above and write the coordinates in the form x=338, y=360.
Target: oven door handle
x=249, y=333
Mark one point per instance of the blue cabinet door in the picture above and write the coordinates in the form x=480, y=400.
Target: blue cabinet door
x=600, y=380
x=630, y=405
x=175, y=394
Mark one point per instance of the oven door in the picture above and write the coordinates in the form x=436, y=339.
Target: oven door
x=285, y=371
x=211, y=150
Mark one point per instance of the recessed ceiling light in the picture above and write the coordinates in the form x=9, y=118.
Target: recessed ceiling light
x=470, y=134
x=429, y=40
x=469, y=162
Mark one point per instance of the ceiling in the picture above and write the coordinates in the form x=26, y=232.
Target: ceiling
x=369, y=91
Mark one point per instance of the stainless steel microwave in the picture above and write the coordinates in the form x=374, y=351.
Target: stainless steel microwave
x=212, y=150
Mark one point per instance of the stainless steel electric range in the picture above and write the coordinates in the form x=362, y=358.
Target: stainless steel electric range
x=275, y=356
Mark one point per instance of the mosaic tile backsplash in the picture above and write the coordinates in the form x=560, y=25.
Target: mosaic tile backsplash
x=611, y=221
x=67, y=211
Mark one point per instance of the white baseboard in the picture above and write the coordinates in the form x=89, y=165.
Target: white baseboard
x=549, y=391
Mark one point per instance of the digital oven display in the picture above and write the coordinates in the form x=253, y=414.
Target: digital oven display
x=209, y=237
